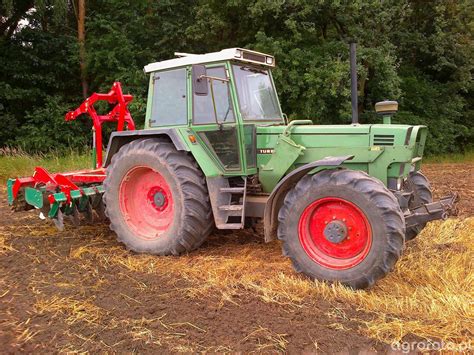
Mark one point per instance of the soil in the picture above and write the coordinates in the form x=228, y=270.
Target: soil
x=458, y=178
x=52, y=302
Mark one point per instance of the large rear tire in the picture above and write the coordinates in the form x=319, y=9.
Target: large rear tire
x=342, y=225
x=156, y=199
x=420, y=186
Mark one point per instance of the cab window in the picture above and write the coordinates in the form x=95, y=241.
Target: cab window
x=257, y=96
x=203, y=107
x=169, y=98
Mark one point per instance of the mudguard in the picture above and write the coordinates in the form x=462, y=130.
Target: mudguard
x=118, y=139
x=270, y=219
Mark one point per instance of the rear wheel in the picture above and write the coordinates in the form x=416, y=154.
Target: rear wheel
x=420, y=186
x=156, y=199
x=342, y=225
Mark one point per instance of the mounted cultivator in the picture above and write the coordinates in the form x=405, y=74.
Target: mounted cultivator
x=80, y=192
x=216, y=151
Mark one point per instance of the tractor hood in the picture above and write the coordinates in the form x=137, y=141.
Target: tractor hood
x=315, y=136
x=316, y=129
x=384, y=150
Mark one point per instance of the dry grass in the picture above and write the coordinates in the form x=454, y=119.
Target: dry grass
x=430, y=294
x=4, y=246
x=72, y=309
x=268, y=340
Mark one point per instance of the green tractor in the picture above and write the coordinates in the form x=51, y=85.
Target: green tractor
x=217, y=152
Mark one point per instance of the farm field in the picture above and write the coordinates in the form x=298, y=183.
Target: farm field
x=80, y=290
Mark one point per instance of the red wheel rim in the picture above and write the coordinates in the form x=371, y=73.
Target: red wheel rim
x=335, y=233
x=146, y=202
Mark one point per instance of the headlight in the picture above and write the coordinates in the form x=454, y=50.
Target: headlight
x=270, y=60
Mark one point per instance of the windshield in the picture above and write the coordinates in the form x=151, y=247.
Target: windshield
x=257, y=97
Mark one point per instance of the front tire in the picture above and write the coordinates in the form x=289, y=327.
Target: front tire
x=156, y=199
x=420, y=186
x=342, y=225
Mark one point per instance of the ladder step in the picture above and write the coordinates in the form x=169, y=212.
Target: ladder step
x=229, y=226
x=233, y=190
x=231, y=207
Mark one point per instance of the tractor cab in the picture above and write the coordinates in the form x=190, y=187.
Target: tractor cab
x=221, y=97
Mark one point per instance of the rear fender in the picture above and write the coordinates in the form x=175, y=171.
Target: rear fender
x=119, y=139
x=274, y=202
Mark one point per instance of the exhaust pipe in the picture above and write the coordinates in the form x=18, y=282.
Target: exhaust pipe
x=353, y=62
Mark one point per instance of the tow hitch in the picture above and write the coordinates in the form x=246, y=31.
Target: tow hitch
x=430, y=211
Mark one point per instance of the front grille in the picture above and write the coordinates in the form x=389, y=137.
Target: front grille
x=384, y=139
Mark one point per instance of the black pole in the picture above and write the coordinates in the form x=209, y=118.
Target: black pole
x=355, y=112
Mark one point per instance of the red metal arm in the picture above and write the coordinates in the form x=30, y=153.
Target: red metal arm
x=119, y=114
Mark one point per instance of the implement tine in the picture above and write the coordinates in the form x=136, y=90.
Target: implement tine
x=88, y=212
x=75, y=216
x=59, y=220
x=100, y=210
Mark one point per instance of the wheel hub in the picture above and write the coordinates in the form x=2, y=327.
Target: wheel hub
x=157, y=197
x=335, y=231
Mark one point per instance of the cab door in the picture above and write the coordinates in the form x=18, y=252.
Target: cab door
x=214, y=120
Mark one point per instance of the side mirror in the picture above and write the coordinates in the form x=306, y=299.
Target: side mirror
x=199, y=80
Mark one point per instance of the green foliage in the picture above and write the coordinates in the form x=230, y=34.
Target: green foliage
x=45, y=129
x=418, y=52
x=437, y=106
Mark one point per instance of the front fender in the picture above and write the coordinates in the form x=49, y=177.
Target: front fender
x=274, y=202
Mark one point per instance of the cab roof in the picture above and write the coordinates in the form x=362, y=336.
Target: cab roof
x=237, y=54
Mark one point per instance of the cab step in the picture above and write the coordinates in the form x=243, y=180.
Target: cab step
x=233, y=190
x=228, y=198
x=231, y=207
x=229, y=226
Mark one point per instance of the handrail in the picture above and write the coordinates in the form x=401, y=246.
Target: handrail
x=288, y=128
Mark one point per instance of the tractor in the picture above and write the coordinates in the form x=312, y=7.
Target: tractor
x=216, y=151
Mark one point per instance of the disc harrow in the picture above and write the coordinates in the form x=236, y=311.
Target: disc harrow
x=79, y=193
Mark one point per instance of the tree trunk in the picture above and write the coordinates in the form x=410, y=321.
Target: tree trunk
x=81, y=36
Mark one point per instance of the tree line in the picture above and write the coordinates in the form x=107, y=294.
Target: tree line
x=53, y=53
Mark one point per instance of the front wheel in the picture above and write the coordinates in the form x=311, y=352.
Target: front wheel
x=342, y=225
x=419, y=185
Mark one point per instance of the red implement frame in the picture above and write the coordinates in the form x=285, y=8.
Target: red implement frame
x=66, y=182
x=119, y=114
